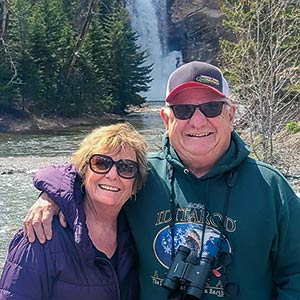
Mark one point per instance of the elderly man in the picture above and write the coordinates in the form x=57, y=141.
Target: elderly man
x=211, y=222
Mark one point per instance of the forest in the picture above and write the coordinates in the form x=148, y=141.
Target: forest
x=69, y=58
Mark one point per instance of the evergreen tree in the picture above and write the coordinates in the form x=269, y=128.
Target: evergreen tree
x=50, y=40
x=108, y=71
x=95, y=53
x=118, y=63
x=7, y=65
x=8, y=91
x=127, y=75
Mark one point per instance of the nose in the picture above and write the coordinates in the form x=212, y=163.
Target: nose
x=112, y=173
x=198, y=119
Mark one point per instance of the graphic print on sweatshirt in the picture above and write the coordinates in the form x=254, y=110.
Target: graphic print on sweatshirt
x=188, y=231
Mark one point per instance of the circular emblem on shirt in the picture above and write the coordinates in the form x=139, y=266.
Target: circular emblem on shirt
x=189, y=235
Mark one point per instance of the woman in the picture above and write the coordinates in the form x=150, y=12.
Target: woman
x=94, y=257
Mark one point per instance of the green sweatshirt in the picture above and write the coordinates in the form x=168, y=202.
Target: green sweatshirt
x=259, y=229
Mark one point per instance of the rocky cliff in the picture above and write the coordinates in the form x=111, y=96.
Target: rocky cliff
x=195, y=28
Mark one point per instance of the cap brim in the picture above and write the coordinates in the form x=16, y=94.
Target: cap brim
x=191, y=84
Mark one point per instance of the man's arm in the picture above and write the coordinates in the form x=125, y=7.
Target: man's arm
x=287, y=255
x=57, y=184
x=38, y=221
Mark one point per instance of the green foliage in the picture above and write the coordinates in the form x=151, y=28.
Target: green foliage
x=8, y=88
x=293, y=126
x=128, y=75
x=109, y=71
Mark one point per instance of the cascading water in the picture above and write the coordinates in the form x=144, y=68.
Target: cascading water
x=149, y=20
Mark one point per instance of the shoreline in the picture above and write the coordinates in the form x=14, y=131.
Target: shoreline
x=35, y=124
x=29, y=123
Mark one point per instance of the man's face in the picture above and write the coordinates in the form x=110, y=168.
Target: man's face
x=199, y=141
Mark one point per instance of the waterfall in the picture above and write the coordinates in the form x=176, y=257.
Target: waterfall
x=149, y=20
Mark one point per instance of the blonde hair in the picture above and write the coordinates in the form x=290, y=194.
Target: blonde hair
x=113, y=139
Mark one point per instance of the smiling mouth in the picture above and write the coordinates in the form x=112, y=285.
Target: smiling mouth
x=109, y=188
x=199, y=135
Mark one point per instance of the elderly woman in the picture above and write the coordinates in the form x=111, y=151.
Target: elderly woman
x=94, y=257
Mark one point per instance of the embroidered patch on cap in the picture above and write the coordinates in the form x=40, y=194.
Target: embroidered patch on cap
x=207, y=80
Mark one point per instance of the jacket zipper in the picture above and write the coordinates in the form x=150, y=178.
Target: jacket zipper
x=114, y=274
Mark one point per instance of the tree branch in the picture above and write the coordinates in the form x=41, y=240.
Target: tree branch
x=82, y=35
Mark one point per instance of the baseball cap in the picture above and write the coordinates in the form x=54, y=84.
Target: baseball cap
x=197, y=74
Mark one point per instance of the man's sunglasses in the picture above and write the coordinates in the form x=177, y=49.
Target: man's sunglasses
x=209, y=109
x=101, y=164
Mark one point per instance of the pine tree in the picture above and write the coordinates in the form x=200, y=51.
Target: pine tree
x=41, y=37
x=8, y=63
x=95, y=54
x=8, y=91
x=109, y=71
x=118, y=64
x=127, y=75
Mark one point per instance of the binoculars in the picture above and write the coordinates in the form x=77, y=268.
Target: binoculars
x=188, y=272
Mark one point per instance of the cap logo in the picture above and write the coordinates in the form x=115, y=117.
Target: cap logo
x=207, y=80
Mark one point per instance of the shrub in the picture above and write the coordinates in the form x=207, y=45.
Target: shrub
x=293, y=126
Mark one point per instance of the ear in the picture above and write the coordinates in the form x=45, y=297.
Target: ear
x=165, y=116
x=232, y=114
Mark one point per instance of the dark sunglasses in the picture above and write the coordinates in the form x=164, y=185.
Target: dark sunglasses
x=209, y=109
x=101, y=164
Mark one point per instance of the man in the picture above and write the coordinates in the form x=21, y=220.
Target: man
x=203, y=186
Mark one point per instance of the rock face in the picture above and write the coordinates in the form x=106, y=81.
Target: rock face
x=195, y=29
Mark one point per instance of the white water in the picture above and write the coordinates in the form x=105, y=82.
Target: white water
x=149, y=20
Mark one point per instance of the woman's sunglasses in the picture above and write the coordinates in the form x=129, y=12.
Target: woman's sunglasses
x=101, y=164
x=209, y=109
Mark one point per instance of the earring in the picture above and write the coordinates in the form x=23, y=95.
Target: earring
x=82, y=188
x=133, y=197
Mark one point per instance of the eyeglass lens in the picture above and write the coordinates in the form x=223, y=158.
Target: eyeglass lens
x=209, y=109
x=102, y=164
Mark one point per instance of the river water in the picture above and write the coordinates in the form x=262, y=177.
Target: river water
x=22, y=155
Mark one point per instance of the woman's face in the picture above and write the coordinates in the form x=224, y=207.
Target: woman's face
x=110, y=189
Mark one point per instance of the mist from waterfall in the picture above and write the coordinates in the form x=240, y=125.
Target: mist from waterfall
x=149, y=20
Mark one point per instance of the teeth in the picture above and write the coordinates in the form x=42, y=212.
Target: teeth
x=109, y=188
x=199, y=134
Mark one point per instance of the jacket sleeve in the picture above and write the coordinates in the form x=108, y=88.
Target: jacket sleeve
x=63, y=185
x=286, y=258
x=28, y=271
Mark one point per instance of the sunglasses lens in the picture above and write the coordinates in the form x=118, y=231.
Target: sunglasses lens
x=127, y=168
x=101, y=164
x=209, y=109
x=212, y=109
x=183, y=111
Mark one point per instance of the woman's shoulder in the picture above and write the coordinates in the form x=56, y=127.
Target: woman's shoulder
x=30, y=268
x=56, y=180
x=21, y=251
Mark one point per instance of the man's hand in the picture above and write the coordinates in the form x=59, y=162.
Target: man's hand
x=38, y=220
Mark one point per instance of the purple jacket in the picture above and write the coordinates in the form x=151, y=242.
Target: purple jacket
x=68, y=266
